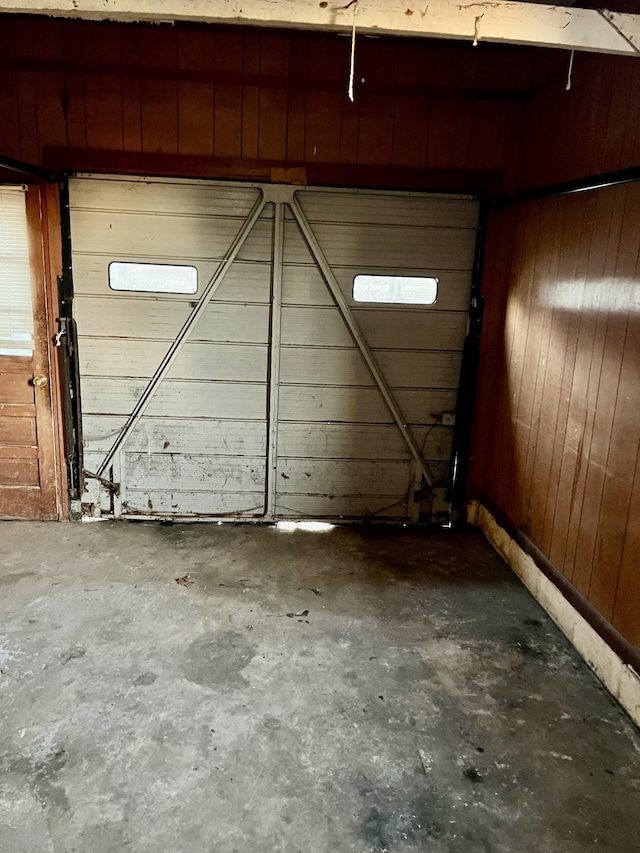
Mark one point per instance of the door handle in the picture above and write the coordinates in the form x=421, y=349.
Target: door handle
x=40, y=381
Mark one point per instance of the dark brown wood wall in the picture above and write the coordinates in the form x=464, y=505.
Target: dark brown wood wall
x=557, y=433
x=592, y=128
x=257, y=96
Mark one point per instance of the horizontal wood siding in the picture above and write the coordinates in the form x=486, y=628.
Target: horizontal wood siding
x=557, y=433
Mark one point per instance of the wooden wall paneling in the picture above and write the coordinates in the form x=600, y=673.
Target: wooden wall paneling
x=587, y=130
x=579, y=423
x=620, y=427
x=630, y=145
x=327, y=61
x=410, y=131
x=443, y=111
x=603, y=383
x=50, y=94
x=103, y=92
x=583, y=520
x=73, y=50
x=562, y=356
x=274, y=55
x=228, y=97
x=274, y=62
x=131, y=97
x=413, y=112
x=464, y=142
x=627, y=593
x=537, y=263
x=26, y=87
x=603, y=102
x=250, y=97
x=572, y=440
x=349, y=129
x=296, y=103
x=560, y=120
x=10, y=124
x=328, y=58
x=490, y=116
x=491, y=370
x=159, y=97
x=195, y=97
x=511, y=150
x=504, y=438
x=543, y=396
x=322, y=127
x=581, y=107
x=375, y=130
x=519, y=362
x=272, y=140
x=618, y=114
x=377, y=111
x=548, y=385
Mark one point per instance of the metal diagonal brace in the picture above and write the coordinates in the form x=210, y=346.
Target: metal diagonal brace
x=184, y=332
x=352, y=325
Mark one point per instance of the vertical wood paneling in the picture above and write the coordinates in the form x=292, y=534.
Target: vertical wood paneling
x=250, y=97
x=229, y=93
x=27, y=109
x=73, y=49
x=296, y=104
x=103, y=92
x=195, y=98
x=228, y=97
x=558, y=431
x=10, y=125
x=154, y=89
x=443, y=112
x=131, y=111
x=625, y=614
x=589, y=129
x=159, y=97
x=49, y=85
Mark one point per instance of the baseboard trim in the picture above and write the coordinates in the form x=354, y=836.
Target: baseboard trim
x=619, y=677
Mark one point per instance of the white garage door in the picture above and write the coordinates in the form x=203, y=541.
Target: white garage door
x=267, y=351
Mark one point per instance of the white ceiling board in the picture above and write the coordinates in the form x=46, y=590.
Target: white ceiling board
x=498, y=21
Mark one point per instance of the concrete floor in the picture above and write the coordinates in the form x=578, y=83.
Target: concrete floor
x=423, y=703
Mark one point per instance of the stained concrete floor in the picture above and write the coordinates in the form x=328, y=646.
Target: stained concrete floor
x=423, y=703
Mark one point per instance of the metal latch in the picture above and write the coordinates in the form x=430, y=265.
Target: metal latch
x=62, y=331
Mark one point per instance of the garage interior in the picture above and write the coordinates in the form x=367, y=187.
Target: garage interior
x=329, y=315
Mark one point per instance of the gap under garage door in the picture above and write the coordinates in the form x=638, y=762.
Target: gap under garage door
x=268, y=392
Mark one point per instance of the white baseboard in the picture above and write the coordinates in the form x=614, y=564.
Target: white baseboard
x=619, y=678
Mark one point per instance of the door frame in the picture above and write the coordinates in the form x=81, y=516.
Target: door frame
x=44, y=242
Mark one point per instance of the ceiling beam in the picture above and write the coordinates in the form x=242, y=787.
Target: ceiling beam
x=489, y=20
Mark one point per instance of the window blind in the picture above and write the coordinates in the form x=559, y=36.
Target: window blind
x=16, y=311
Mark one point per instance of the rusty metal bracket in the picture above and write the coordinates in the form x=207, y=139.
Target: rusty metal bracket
x=112, y=488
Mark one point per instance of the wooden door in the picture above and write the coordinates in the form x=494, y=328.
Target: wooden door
x=30, y=473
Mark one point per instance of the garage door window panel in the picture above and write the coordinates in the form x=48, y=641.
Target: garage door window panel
x=152, y=278
x=395, y=290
